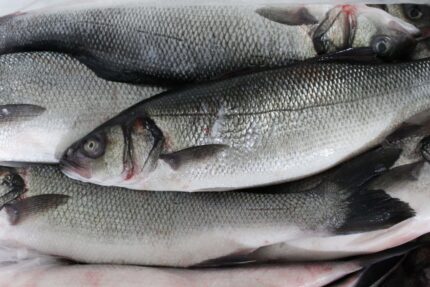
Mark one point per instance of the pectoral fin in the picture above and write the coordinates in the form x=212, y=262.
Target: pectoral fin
x=196, y=153
x=288, y=15
x=19, y=210
x=19, y=112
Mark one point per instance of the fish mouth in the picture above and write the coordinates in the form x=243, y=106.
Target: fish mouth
x=72, y=169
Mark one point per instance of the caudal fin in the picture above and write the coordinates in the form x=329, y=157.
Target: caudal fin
x=369, y=210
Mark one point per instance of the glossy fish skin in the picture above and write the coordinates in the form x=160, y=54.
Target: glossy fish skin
x=96, y=224
x=48, y=100
x=188, y=43
x=259, y=128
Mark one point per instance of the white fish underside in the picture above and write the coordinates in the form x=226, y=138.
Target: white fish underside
x=48, y=274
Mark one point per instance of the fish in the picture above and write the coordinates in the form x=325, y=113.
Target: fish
x=172, y=45
x=22, y=271
x=48, y=100
x=313, y=275
x=254, y=129
x=419, y=16
x=44, y=210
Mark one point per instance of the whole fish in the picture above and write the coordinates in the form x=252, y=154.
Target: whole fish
x=165, y=43
x=48, y=100
x=254, y=129
x=44, y=210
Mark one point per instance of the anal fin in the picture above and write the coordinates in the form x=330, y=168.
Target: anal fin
x=237, y=258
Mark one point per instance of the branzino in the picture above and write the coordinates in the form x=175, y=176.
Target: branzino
x=48, y=100
x=44, y=210
x=139, y=43
x=259, y=128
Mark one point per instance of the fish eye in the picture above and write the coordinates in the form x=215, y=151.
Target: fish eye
x=93, y=147
x=382, y=45
x=425, y=148
x=413, y=12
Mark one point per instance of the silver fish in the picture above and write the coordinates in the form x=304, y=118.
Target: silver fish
x=141, y=43
x=48, y=100
x=259, y=128
x=44, y=210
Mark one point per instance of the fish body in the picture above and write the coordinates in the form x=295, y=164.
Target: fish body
x=56, y=215
x=139, y=43
x=48, y=100
x=265, y=127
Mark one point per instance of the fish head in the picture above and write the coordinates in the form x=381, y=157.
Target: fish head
x=12, y=185
x=117, y=151
x=419, y=16
x=425, y=148
x=357, y=26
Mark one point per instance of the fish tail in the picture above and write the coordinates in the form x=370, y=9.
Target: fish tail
x=369, y=210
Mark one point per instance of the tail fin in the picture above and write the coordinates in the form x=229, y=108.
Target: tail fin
x=373, y=209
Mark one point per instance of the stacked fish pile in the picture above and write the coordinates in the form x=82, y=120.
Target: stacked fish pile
x=263, y=146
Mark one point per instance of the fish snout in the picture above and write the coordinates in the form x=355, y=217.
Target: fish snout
x=72, y=167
